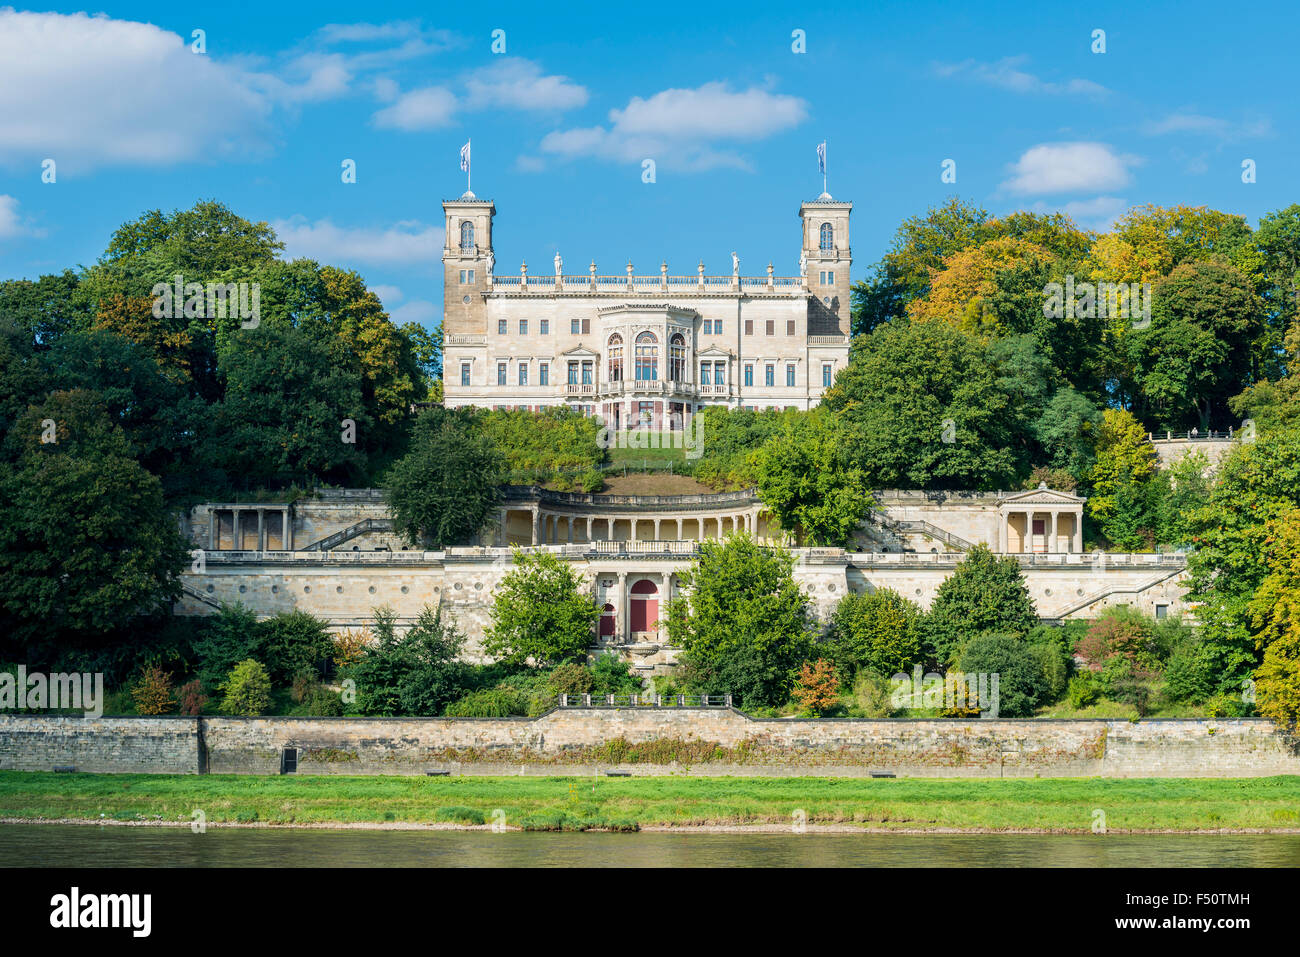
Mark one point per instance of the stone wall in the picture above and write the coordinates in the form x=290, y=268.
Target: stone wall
x=672, y=741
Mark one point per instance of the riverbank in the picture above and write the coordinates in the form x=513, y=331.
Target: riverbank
x=903, y=805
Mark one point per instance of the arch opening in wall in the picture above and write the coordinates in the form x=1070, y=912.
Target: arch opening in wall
x=645, y=605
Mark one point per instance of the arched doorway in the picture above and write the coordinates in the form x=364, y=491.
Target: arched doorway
x=608, y=622
x=645, y=605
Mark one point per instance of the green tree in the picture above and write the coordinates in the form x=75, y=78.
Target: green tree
x=247, y=690
x=293, y=642
x=1123, y=453
x=415, y=673
x=925, y=410
x=283, y=416
x=541, y=612
x=878, y=630
x=743, y=624
x=805, y=479
x=230, y=636
x=445, y=488
x=1198, y=351
x=87, y=546
x=1021, y=683
x=985, y=593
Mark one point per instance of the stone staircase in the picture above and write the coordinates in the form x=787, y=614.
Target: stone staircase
x=330, y=542
x=1097, y=596
x=903, y=529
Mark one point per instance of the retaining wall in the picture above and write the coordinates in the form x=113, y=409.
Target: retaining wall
x=651, y=741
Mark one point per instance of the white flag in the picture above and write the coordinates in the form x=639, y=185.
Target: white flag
x=464, y=158
x=821, y=157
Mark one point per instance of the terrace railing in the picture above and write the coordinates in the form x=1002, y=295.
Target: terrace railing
x=644, y=701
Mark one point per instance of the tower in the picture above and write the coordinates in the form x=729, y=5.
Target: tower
x=827, y=257
x=466, y=256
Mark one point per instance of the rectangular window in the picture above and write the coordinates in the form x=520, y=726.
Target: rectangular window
x=771, y=376
x=466, y=277
x=523, y=373
x=501, y=373
x=586, y=372
x=464, y=373
x=543, y=372
x=1162, y=611
x=749, y=375
x=717, y=327
x=704, y=374
x=586, y=327
x=575, y=326
x=828, y=277
x=545, y=325
x=749, y=327
x=708, y=327
x=573, y=373
x=501, y=327
x=771, y=327
x=789, y=327
x=789, y=377
x=523, y=327
x=720, y=373
x=826, y=375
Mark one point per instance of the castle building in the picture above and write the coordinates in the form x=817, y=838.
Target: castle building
x=643, y=349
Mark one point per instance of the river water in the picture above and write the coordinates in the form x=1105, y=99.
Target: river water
x=55, y=845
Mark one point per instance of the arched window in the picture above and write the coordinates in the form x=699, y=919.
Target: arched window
x=615, y=354
x=828, y=236
x=467, y=235
x=647, y=357
x=645, y=605
x=676, y=357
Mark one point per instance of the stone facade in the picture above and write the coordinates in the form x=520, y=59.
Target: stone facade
x=643, y=349
x=631, y=551
x=725, y=741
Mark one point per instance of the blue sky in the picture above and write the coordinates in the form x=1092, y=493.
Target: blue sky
x=583, y=93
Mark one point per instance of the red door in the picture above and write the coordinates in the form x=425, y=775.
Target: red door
x=607, y=621
x=645, y=605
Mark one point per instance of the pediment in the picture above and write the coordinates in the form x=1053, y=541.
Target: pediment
x=713, y=352
x=580, y=352
x=1041, y=496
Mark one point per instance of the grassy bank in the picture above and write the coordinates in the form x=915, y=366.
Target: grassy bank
x=1060, y=804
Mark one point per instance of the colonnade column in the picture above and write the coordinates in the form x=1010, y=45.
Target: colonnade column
x=261, y=530
x=1051, y=540
x=537, y=526
x=212, y=529
x=624, y=616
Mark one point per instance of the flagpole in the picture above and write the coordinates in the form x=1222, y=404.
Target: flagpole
x=469, y=163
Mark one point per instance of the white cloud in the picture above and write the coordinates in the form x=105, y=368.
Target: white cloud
x=417, y=310
x=1007, y=75
x=679, y=127
x=425, y=109
x=518, y=84
x=403, y=243
x=1069, y=168
x=89, y=91
x=11, y=224
x=388, y=295
x=1198, y=124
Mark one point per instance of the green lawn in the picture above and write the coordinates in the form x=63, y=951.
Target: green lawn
x=573, y=802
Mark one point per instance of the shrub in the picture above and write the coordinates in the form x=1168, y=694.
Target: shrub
x=612, y=675
x=460, y=815
x=230, y=637
x=320, y=702
x=1084, y=690
x=1048, y=648
x=192, y=699
x=817, y=689
x=573, y=678
x=247, y=689
x=350, y=646
x=291, y=643
x=1118, y=631
x=153, y=692
x=488, y=703
x=1127, y=681
x=591, y=482
x=871, y=695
